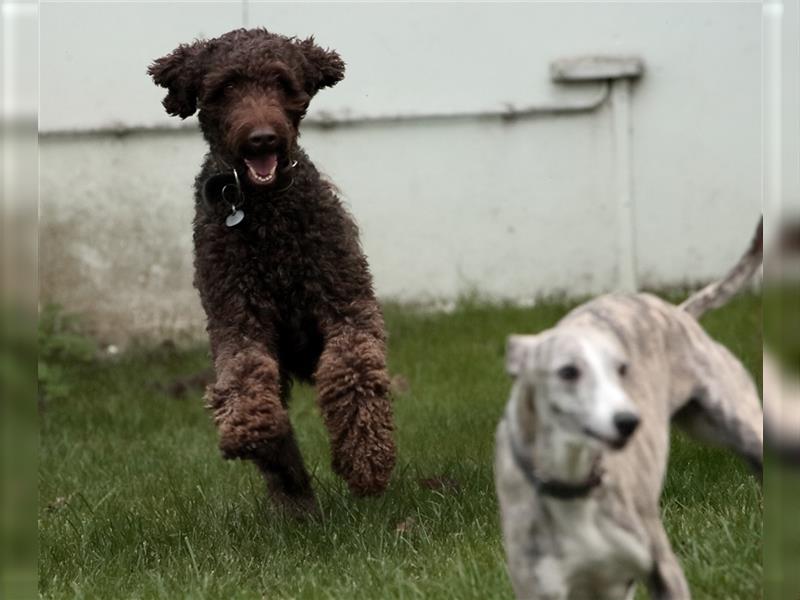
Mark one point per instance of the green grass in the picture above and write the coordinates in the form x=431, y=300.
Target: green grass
x=136, y=502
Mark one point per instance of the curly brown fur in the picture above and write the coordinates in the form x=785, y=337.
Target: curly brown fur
x=287, y=292
x=353, y=390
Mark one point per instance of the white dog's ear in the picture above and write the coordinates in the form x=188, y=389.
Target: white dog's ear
x=517, y=349
x=525, y=409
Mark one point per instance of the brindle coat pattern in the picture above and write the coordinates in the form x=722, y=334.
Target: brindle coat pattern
x=287, y=292
x=676, y=371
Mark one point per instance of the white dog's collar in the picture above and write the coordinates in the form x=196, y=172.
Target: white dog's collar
x=563, y=490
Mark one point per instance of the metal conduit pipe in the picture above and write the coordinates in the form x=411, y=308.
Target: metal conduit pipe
x=507, y=113
x=617, y=72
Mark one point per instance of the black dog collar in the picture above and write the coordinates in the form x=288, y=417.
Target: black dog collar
x=226, y=187
x=552, y=487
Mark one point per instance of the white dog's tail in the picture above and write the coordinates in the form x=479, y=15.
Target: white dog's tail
x=718, y=293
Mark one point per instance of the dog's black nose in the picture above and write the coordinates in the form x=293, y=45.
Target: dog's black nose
x=626, y=423
x=264, y=138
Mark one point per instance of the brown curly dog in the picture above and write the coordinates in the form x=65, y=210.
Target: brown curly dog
x=278, y=264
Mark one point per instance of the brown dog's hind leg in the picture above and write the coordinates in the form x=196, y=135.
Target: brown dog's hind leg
x=353, y=388
x=288, y=482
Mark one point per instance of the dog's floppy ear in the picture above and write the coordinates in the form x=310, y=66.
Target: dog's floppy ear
x=517, y=350
x=525, y=409
x=181, y=73
x=518, y=354
x=325, y=67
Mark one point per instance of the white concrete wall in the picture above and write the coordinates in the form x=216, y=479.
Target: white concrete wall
x=511, y=210
x=790, y=88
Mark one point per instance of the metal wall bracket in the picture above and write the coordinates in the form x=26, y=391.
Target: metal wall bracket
x=617, y=71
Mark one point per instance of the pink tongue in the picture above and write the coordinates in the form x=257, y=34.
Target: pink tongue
x=263, y=165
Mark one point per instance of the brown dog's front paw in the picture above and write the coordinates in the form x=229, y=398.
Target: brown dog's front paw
x=245, y=402
x=233, y=445
x=370, y=477
x=246, y=426
x=366, y=463
x=246, y=438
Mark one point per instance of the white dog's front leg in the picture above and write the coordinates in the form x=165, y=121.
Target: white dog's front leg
x=537, y=578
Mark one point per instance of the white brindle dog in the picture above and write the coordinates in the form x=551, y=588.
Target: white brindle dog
x=583, y=445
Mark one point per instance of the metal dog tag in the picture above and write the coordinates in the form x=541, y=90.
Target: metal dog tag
x=237, y=214
x=236, y=217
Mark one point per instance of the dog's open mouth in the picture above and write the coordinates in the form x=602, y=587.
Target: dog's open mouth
x=261, y=169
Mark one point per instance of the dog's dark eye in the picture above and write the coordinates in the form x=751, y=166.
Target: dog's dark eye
x=569, y=373
x=622, y=370
x=218, y=91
